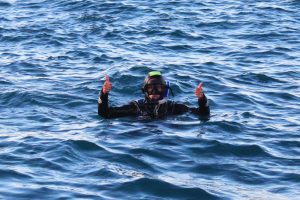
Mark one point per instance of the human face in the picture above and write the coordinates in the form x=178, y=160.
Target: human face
x=155, y=91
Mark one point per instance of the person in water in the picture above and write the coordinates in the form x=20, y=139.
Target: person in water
x=155, y=104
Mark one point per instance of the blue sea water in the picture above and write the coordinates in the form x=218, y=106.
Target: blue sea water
x=54, y=55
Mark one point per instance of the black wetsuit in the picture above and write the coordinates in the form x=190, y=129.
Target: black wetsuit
x=143, y=108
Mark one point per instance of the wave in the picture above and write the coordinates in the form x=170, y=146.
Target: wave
x=5, y=4
x=154, y=187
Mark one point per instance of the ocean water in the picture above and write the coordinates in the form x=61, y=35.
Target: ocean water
x=54, y=55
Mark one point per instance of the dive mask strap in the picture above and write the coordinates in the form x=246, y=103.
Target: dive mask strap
x=168, y=88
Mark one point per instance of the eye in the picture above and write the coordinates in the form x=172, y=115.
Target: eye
x=160, y=88
x=150, y=88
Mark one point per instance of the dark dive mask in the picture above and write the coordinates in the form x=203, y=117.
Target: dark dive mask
x=156, y=88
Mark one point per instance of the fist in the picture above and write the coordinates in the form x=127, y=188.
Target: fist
x=199, y=91
x=107, y=85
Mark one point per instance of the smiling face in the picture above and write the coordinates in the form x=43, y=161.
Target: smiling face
x=154, y=87
x=155, y=90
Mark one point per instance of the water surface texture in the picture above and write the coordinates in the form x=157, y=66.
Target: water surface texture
x=54, y=55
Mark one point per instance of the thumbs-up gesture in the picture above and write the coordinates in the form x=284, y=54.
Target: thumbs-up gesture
x=199, y=91
x=107, y=85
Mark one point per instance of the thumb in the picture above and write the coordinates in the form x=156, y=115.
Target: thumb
x=200, y=85
x=107, y=78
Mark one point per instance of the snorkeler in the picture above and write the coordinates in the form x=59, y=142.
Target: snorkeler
x=155, y=104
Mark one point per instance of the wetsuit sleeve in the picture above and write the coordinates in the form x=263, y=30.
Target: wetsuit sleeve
x=202, y=111
x=113, y=112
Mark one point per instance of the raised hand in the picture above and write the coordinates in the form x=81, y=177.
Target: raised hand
x=107, y=85
x=199, y=91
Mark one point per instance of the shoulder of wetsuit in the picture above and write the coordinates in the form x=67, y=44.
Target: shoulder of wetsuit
x=138, y=103
x=170, y=101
